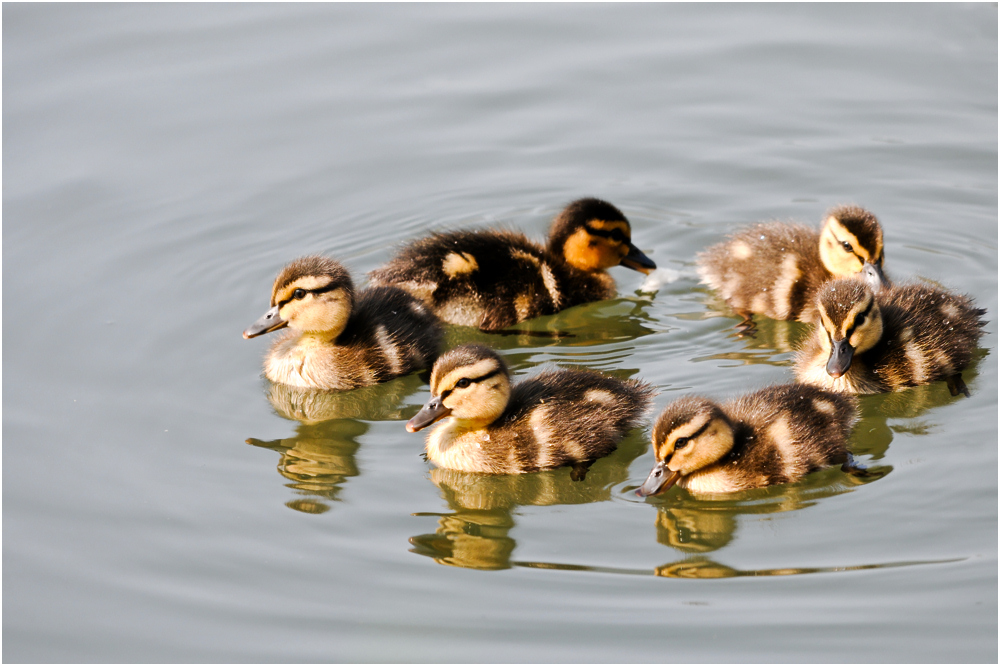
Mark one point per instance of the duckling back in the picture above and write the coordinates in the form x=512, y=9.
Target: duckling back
x=927, y=334
x=786, y=432
x=393, y=331
x=489, y=279
x=564, y=417
x=772, y=269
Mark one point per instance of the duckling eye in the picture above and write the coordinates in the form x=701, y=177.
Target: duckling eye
x=463, y=383
x=847, y=246
x=681, y=443
x=299, y=294
x=860, y=319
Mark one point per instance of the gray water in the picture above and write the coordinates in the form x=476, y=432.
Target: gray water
x=162, y=162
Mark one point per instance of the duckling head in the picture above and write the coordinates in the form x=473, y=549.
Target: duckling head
x=690, y=434
x=471, y=384
x=851, y=321
x=311, y=294
x=851, y=243
x=592, y=235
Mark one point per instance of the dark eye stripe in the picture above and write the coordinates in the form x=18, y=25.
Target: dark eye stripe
x=696, y=433
x=318, y=290
x=614, y=234
x=474, y=380
x=863, y=313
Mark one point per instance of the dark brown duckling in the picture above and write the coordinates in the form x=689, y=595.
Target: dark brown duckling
x=556, y=418
x=491, y=279
x=340, y=340
x=876, y=342
x=774, y=435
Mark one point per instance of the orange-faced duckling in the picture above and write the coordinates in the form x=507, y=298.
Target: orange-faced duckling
x=491, y=279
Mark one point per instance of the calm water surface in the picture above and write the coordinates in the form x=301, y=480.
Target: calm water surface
x=162, y=162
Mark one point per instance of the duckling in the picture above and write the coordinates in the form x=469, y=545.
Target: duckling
x=339, y=340
x=775, y=269
x=556, y=418
x=492, y=279
x=876, y=342
x=775, y=435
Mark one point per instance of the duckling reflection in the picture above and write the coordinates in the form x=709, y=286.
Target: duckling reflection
x=586, y=325
x=773, y=341
x=477, y=534
x=382, y=402
x=694, y=531
x=701, y=567
x=697, y=526
x=318, y=460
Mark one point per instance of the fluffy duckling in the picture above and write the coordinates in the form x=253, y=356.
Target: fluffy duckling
x=875, y=342
x=775, y=269
x=557, y=418
x=775, y=435
x=492, y=279
x=340, y=340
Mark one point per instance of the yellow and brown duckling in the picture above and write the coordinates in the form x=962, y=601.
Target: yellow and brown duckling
x=339, y=339
x=776, y=269
x=875, y=342
x=556, y=418
x=774, y=435
x=491, y=279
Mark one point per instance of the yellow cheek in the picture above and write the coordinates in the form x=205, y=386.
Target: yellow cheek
x=844, y=263
x=580, y=254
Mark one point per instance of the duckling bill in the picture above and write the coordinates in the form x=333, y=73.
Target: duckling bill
x=556, y=418
x=492, y=279
x=876, y=342
x=339, y=339
x=772, y=436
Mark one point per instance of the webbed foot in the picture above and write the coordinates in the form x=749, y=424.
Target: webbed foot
x=957, y=385
x=579, y=472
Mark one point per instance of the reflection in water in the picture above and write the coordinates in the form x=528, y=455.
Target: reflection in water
x=470, y=539
x=704, y=523
x=381, y=402
x=770, y=336
x=320, y=457
x=700, y=567
x=694, y=531
x=915, y=401
x=317, y=461
x=476, y=535
x=589, y=324
x=874, y=431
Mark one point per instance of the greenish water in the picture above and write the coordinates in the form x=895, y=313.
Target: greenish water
x=163, y=503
